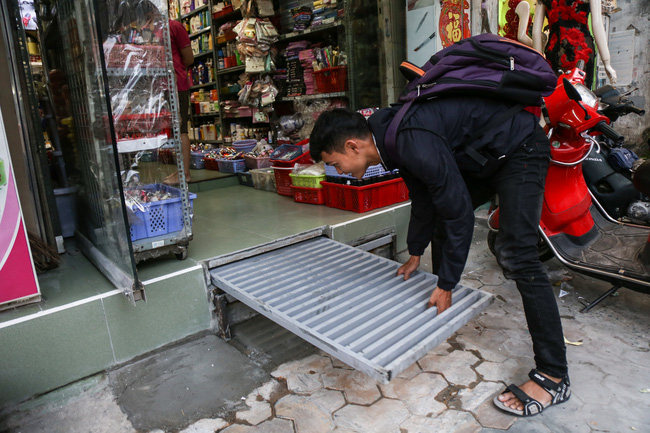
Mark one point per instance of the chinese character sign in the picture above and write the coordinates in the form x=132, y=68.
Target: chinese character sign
x=454, y=21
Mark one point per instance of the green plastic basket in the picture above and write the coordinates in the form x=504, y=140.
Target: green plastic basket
x=306, y=181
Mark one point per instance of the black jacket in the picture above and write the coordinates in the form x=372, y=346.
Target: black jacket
x=431, y=165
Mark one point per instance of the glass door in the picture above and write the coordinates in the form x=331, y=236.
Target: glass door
x=103, y=228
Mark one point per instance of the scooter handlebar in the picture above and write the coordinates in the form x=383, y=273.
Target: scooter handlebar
x=609, y=132
x=637, y=110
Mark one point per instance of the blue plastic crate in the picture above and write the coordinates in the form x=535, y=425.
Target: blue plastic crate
x=149, y=156
x=159, y=218
x=373, y=170
x=244, y=145
x=231, y=165
x=196, y=160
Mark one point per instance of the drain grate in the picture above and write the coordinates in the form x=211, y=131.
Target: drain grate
x=349, y=303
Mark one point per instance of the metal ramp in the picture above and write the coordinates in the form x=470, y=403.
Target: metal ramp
x=349, y=303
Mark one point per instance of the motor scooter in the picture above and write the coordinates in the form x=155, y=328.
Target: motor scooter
x=573, y=229
x=612, y=187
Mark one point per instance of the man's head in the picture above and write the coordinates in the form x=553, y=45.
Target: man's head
x=342, y=138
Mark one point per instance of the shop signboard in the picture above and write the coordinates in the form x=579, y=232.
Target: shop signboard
x=18, y=283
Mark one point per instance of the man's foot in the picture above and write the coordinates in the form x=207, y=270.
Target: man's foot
x=533, y=390
x=535, y=395
x=173, y=179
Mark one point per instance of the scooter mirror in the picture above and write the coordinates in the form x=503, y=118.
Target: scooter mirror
x=571, y=91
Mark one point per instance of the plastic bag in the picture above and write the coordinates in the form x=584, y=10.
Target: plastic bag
x=309, y=169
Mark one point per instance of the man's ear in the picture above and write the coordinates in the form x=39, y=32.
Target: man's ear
x=352, y=146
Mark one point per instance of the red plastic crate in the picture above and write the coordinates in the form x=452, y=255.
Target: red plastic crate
x=365, y=198
x=283, y=180
x=167, y=156
x=282, y=169
x=308, y=195
x=330, y=80
x=211, y=164
x=225, y=11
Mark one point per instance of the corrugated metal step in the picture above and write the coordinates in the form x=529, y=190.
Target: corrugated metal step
x=349, y=303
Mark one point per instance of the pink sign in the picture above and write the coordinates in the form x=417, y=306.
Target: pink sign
x=17, y=275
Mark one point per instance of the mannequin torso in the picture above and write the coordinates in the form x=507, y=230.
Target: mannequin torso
x=570, y=39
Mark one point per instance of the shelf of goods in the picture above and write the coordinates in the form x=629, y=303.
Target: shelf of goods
x=145, y=118
x=336, y=26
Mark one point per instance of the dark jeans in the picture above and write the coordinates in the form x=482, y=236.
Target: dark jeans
x=520, y=186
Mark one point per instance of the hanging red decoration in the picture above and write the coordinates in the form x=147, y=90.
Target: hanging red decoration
x=454, y=21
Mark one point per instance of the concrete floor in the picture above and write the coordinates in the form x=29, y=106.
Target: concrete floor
x=276, y=383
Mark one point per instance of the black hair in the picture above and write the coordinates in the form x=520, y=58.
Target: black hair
x=333, y=128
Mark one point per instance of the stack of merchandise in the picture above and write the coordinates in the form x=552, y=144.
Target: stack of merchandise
x=307, y=62
x=266, y=34
x=327, y=57
x=254, y=39
x=258, y=92
x=324, y=12
x=289, y=128
x=280, y=80
x=294, y=84
x=231, y=108
x=301, y=18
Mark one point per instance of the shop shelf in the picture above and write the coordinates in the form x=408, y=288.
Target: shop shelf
x=195, y=11
x=234, y=69
x=199, y=86
x=200, y=32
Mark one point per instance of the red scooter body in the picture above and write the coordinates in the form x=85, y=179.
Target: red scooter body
x=571, y=227
x=566, y=198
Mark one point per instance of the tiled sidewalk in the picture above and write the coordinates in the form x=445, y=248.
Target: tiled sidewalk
x=451, y=388
x=448, y=390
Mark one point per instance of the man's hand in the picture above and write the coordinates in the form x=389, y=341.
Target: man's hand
x=409, y=267
x=440, y=299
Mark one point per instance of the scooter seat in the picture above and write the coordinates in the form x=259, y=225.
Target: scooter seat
x=608, y=249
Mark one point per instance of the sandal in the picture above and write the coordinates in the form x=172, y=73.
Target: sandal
x=560, y=392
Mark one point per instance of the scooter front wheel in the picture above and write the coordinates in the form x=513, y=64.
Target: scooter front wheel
x=543, y=249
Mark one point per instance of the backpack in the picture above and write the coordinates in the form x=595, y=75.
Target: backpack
x=485, y=65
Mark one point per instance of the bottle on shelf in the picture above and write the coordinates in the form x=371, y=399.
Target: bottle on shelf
x=210, y=70
x=220, y=60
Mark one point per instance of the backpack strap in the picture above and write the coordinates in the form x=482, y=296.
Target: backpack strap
x=390, y=137
x=410, y=71
x=473, y=153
